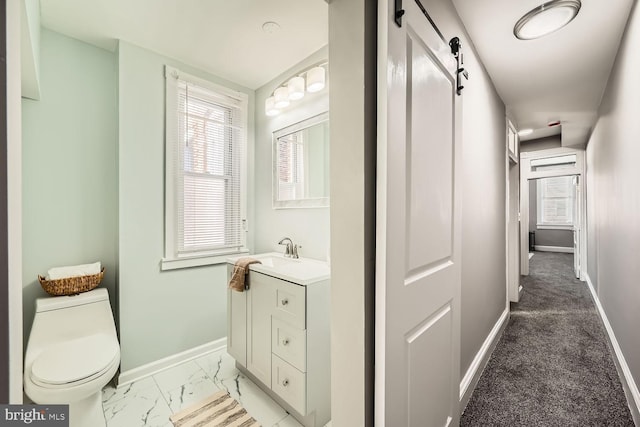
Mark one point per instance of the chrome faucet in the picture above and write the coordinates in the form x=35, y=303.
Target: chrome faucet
x=288, y=251
x=291, y=250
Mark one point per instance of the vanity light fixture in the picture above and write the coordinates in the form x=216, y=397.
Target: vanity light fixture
x=525, y=132
x=546, y=18
x=312, y=79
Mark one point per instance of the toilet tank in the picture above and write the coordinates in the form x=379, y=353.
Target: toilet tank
x=69, y=317
x=56, y=303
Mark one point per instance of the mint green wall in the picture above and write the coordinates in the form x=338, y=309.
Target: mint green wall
x=161, y=313
x=308, y=227
x=69, y=165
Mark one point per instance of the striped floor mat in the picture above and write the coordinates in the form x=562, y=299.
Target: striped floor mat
x=217, y=410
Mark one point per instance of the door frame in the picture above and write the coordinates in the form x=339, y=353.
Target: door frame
x=5, y=368
x=526, y=175
x=512, y=214
x=14, y=198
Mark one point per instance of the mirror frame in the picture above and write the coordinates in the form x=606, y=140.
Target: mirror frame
x=317, y=202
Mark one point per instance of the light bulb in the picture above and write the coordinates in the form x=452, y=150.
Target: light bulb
x=270, y=107
x=315, y=79
x=281, y=96
x=296, y=88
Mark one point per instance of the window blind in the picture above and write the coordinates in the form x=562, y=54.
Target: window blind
x=207, y=157
x=556, y=200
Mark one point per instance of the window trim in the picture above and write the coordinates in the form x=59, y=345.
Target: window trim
x=172, y=259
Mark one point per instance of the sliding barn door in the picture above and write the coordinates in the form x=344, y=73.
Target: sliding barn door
x=418, y=225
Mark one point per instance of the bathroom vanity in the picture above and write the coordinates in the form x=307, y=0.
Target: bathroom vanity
x=278, y=333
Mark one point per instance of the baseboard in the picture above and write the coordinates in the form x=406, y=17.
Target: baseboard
x=144, y=371
x=628, y=383
x=553, y=249
x=471, y=377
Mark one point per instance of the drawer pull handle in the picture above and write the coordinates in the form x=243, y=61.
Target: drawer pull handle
x=285, y=383
x=285, y=341
x=285, y=301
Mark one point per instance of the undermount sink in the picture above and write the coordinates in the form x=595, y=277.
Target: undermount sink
x=303, y=271
x=270, y=260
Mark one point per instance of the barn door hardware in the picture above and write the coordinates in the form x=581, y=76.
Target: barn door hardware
x=456, y=47
x=399, y=12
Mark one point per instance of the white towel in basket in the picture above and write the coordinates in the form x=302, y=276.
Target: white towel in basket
x=74, y=271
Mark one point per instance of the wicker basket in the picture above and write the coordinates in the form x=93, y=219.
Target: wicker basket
x=71, y=285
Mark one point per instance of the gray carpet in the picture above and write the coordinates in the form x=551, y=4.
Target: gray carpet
x=552, y=366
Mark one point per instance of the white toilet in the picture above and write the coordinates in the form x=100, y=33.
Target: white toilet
x=73, y=352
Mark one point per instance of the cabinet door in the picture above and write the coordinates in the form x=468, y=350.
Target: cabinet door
x=259, y=296
x=237, y=324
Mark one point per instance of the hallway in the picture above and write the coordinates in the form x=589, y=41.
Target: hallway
x=553, y=365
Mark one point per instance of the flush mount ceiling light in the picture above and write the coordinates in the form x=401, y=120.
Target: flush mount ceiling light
x=525, y=132
x=546, y=18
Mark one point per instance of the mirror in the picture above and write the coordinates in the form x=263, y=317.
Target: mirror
x=301, y=164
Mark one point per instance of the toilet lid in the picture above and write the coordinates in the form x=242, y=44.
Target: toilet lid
x=75, y=359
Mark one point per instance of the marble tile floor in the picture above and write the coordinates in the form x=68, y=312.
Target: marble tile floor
x=150, y=401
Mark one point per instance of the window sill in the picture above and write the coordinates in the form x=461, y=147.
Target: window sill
x=554, y=227
x=167, y=264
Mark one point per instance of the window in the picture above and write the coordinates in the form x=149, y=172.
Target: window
x=555, y=201
x=291, y=168
x=205, y=167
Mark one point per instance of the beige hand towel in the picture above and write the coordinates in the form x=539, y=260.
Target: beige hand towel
x=240, y=271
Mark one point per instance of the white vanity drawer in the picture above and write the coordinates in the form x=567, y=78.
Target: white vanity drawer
x=290, y=303
x=289, y=343
x=290, y=384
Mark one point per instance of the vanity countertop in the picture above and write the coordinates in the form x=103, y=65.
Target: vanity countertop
x=303, y=271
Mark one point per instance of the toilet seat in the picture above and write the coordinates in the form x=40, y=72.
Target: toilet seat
x=75, y=361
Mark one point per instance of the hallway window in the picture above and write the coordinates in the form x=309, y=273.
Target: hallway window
x=555, y=202
x=205, y=158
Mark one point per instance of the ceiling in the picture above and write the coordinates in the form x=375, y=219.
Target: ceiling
x=561, y=76
x=224, y=37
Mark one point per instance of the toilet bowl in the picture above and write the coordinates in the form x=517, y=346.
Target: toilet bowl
x=72, y=353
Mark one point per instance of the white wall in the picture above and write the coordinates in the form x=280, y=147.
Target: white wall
x=161, y=312
x=308, y=227
x=352, y=115
x=613, y=213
